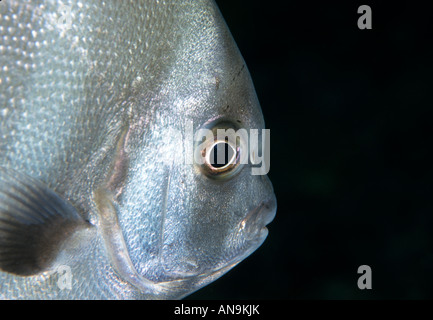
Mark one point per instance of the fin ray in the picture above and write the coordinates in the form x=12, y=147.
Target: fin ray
x=34, y=221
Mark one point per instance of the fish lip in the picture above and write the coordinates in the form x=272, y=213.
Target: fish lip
x=255, y=222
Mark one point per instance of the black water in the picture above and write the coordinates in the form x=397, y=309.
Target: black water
x=350, y=113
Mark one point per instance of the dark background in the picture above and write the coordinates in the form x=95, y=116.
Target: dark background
x=350, y=113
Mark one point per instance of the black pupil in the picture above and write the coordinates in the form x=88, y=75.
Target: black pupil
x=220, y=155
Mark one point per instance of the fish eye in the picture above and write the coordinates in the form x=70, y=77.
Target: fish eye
x=222, y=155
x=221, y=159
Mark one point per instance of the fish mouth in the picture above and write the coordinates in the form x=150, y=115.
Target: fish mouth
x=255, y=222
x=253, y=228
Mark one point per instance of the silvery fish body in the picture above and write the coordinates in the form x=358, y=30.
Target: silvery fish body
x=97, y=102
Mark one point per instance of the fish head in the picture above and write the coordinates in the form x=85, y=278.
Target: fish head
x=217, y=208
x=185, y=218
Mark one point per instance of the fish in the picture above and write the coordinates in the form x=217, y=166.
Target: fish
x=101, y=103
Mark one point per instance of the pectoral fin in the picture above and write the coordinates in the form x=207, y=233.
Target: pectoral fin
x=34, y=222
